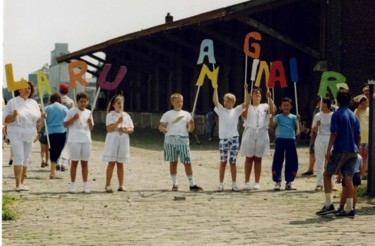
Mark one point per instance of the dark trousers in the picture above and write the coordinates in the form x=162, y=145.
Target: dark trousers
x=57, y=142
x=285, y=147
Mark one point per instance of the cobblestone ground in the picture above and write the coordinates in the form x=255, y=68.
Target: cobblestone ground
x=149, y=214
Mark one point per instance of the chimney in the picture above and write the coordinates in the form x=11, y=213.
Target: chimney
x=168, y=18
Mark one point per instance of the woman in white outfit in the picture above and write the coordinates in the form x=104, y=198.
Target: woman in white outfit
x=321, y=125
x=22, y=114
x=255, y=139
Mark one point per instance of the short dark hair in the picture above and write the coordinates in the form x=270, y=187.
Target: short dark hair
x=327, y=101
x=55, y=97
x=17, y=93
x=286, y=99
x=82, y=94
x=343, y=97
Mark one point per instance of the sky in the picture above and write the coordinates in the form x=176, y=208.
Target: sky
x=32, y=27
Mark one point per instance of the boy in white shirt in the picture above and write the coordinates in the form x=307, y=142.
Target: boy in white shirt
x=176, y=125
x=80, y=122
x=228, y=134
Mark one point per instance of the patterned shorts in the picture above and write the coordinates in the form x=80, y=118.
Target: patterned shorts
x=177, y=146
x=231, y=145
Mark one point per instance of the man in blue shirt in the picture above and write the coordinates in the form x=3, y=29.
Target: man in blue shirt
x=344, y=141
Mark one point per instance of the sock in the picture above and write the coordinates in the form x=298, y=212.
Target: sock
x=348, y=205
x=234, y=183
x=328, y=200
x=174, y=179
x=191, y=180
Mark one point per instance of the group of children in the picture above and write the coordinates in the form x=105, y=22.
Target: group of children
x=332, y=131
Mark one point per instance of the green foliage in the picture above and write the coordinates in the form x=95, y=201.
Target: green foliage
x=7, y=211
x=362, y=190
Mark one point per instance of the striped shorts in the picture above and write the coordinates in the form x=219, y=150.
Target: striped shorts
x=177, y=146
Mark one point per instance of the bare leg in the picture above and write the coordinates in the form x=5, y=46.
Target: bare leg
x=109, y=173
x=120, y=174
x=188, y=169
x=73, y=171
x=222, y=171
x=173, y=168
x=24, y=170
x=18, y=174
x=257, y=168
x=233, y=171
x=248, y=168
x=85, y=170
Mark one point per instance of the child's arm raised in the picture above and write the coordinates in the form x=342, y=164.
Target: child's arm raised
x=271, y=104
x=215, y=98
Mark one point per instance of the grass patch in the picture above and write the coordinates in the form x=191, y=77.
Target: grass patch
x=8, y=212
x=362, y=190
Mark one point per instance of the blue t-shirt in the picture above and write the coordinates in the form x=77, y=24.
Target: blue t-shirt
x=56, y=113
x=286, y=125
x=346, y=126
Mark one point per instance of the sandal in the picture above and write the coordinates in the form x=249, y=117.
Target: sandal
x=54, y=177
x=108, y=189
x=122, y=188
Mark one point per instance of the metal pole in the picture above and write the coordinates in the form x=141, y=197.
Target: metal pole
x=371, y=147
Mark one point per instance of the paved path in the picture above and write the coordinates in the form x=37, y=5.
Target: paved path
x=149, y=214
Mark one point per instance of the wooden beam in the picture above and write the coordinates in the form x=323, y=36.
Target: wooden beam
x=277, y=35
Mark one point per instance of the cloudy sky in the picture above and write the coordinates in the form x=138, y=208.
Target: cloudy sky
x=32, y=27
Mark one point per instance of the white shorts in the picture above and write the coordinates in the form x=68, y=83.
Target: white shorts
x=255, y=143
x=21, y=151
x=79, y=151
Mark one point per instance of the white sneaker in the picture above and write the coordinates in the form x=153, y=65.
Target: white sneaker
x=24, y=188
x=86, y=189
x=256, y=186
x=277, y=186
x=220, y=188
x=247, y=186
x=235, y=188
x=73, y=188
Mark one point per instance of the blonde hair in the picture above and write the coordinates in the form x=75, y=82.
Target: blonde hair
x=113, y=100
x=176, y=95
x=231, y=97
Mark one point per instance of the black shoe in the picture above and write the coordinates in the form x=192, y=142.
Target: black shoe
x=58, y=167
x=62, y=169
x=307, y=173
x=350, y=214
x=10, y=162
x=325, y=210
x=195, y=188
x=175, y=187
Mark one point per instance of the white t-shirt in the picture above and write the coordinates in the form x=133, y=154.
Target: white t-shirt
x=228, y=121
x=113, y=116
x=257, y=117
x=325, y=123
x=28, y=113
x=176, y=122
x=79, y=131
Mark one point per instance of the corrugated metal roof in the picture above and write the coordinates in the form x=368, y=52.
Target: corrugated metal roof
x=227, y=13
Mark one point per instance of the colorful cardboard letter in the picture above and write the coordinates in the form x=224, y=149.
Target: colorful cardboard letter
x=254, y=69
x=330, y=79
x=209, y=45
x=293, y=70
x=212, y=75
x=77, y=77
x=277, y=73
x=11, y=84
x=43, y=83
x=263, y=68
x=255, y=46
x=111, y=85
